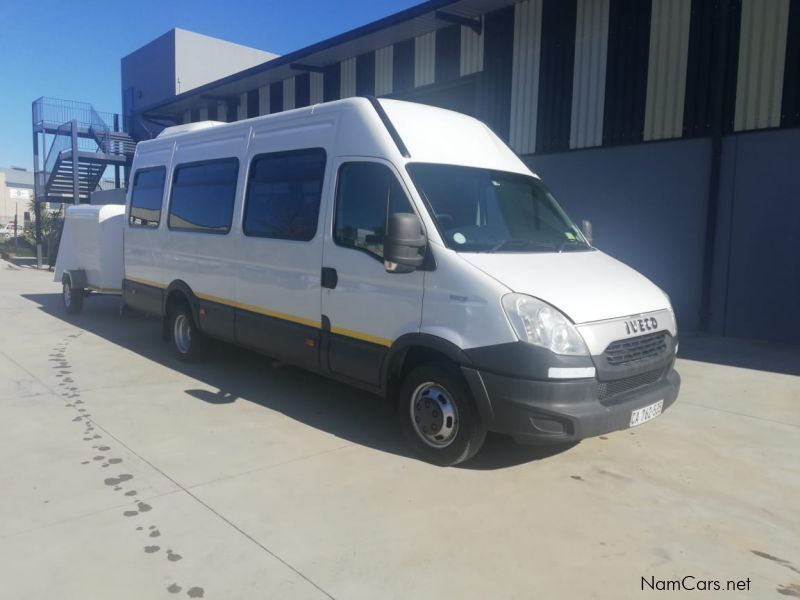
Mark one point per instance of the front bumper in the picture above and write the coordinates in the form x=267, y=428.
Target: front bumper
x=561, y=411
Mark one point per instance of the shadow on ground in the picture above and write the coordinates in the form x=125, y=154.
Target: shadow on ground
x=237, y=374
x=747, y=354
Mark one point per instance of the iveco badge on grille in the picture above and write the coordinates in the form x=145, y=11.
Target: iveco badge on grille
x=641, y=325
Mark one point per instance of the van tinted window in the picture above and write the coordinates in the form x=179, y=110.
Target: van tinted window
x=202, y=196
x=283, y=194
x=367, y=193
x=146, y=197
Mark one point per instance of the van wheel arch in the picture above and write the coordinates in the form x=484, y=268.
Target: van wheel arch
x=178, y=293
x=411, y=350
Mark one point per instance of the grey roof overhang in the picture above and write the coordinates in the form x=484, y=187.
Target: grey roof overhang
x=412, y=22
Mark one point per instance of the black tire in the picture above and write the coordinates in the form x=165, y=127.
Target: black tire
x=71, y=297
x=188, y=342
x=439, y=383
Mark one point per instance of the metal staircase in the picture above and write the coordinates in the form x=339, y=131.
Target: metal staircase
x=82, y=146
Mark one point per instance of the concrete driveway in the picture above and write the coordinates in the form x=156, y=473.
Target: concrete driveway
x=126, y=474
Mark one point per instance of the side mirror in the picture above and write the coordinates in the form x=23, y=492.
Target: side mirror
x=404, y=242
x=586, y=230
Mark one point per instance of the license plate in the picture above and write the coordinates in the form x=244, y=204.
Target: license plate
x=646, y=413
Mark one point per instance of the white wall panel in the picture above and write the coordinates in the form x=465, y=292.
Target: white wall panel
x=263, y=100
x=425, y=59
x=348, y=78
x=666, y=70
x=589, y=74
x=525, y=75
x=203, y=116
x=242, y=111
x=315, y=88
x=384, y=70
x=762, y=56
x=471, y=51
x=288, y=93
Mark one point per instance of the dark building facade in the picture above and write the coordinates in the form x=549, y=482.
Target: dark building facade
x=673, y=125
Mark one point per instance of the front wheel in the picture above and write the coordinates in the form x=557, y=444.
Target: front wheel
x=438, y=415
x=188, y=342
x=72, y=298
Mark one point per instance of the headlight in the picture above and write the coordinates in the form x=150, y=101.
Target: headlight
x=540, y=324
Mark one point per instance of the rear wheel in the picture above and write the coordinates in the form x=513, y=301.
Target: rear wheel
x=71, y=297
x=438, y=415
x=188, y=342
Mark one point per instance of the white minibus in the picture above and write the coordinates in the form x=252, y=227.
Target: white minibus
x=404, y=249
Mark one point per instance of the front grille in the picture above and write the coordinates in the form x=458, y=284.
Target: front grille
x=644, y=346
x=607, y=389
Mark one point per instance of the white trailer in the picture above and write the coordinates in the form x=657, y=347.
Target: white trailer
x=90, y=253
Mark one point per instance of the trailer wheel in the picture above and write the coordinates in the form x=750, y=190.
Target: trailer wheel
x=188, y=342
x=72, y=297
x=438, y=415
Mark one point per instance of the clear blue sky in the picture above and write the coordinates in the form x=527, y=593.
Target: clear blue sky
x=72, y=48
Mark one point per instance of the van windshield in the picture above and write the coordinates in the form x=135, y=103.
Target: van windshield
x=480, y=210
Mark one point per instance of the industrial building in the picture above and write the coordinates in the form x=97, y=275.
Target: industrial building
x=16, y=193
x=672, y=125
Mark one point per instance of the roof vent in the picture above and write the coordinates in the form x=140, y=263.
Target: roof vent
x=187, y=127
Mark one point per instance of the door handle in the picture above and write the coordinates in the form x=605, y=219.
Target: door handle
x=329, y=278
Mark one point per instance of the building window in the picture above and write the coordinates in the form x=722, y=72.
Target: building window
x=366, y=194
x=146, y=197
x=203, y=195
x=283, y=195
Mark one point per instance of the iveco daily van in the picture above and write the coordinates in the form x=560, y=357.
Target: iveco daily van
x=404, y=249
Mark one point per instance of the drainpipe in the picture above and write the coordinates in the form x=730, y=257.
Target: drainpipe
x=717, y=128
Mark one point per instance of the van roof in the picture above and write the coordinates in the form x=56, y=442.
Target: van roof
x=382, y=127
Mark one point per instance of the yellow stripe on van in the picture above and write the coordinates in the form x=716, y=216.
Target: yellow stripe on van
x=143, y=281
x=316, y=323
x=262, y=311
x=362, y=336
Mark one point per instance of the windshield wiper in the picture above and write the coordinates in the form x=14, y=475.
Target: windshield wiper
x=507, y=244
x=565, y=243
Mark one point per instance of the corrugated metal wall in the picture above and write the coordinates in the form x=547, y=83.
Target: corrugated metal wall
x=471, y=51
x=348, y=78
x=525, y=75
x=666, y=73
x=568, y=74
x=242, y=108
x=384, y=70
x=263, y=100
x=288, y=93
x=589, y=74
x=762, y=55
x=425, y=59
x=316, y=90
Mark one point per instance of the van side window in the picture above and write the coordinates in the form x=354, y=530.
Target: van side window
x=202, y=196
x=146, y=197
x=283, y=195
x=367, y=193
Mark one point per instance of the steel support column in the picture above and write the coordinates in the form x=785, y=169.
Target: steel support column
x=715, y=171
x=76, y=183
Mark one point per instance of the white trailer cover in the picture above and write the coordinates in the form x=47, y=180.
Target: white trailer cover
x=92, y=241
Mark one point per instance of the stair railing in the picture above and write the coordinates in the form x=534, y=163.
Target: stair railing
x=100, y=131
x=61, y=141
